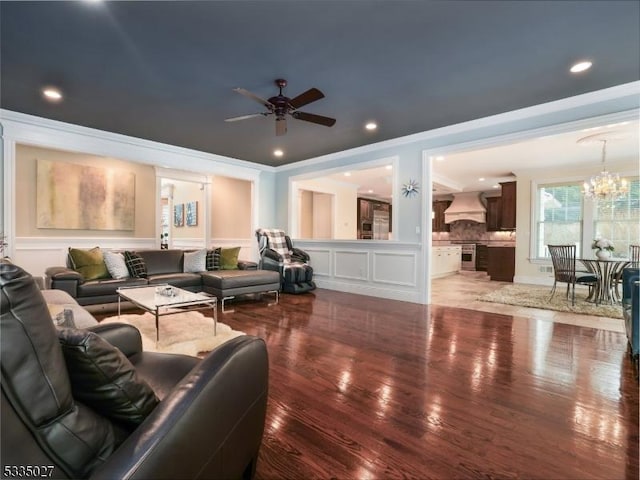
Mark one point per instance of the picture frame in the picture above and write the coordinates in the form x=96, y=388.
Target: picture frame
x=192, y=214
x=178, y=215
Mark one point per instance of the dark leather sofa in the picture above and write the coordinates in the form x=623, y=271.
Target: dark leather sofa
x=165, y=267
x=208, y=423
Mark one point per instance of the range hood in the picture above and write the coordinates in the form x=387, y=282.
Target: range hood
x=466, y=206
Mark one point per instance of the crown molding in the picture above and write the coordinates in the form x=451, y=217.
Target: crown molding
x=38, y=131
x=608, y=94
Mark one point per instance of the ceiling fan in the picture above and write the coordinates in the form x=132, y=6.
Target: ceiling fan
x=281, y=106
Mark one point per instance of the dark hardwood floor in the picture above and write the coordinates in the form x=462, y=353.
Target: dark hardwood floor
x=364, y=388
x=370, y=388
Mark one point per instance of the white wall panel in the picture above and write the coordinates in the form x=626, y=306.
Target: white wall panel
x=351, y=264
x=384, y=269
x=320, y=261
x=395, y=268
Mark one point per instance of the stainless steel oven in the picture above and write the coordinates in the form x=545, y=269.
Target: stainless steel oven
x=468, y=256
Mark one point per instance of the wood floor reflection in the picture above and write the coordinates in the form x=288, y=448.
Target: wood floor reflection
x=368, y=388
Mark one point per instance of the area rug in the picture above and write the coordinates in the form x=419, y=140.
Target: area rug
x=538, y=297
x=188, y=333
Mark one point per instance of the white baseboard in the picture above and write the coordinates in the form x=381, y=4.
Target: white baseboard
x=369, y=290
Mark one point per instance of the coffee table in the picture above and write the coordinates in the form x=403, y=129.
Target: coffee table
x=154, y=299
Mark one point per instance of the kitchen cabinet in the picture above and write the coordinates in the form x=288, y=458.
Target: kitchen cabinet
x=508, y=206
x=482, y=257
x=501, y=211
x=502, y=263
x=494, y=214
x=445, y=260
x=365, y=212
x=437, y=222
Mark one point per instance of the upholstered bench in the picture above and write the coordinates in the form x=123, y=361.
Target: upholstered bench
x=226, y=284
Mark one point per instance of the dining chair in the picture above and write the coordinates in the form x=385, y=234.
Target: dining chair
x=634, y=259
x=564, y=271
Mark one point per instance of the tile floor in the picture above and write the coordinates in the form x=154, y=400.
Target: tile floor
x=462, y=289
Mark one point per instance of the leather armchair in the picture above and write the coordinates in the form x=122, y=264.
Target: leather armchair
x=208, y=424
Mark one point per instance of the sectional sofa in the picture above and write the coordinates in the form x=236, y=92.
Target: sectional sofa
x=74, y=401
x=165, y=267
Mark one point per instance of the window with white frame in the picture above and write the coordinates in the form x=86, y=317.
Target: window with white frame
x=563, y=216
x=619, y=220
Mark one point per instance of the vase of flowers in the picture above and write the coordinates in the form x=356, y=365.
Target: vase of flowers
x=603, y=248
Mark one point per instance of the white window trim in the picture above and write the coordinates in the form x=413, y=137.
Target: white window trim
x=588, y=215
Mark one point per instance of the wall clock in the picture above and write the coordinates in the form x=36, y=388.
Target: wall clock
x=410, y=188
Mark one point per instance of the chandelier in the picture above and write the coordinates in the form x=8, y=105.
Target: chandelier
x=606, y=185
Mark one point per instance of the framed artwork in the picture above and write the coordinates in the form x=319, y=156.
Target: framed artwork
x=192, y=214
x=178, y=215
x=83, y=197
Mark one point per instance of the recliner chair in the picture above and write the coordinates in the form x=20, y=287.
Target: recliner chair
x=208, y=423
x=278, y=253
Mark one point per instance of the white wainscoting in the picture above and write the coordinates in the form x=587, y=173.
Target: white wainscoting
x=321, y=261
x=36, y=254
x=377, y=268
x=396, y=268
x=188, y=243
x=351, y=264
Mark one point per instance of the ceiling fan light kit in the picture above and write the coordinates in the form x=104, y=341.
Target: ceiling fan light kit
x=280, y=106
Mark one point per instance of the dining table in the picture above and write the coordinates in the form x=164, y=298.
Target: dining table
x=609, y=272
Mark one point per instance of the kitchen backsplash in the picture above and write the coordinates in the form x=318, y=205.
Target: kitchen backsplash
x=472, y=231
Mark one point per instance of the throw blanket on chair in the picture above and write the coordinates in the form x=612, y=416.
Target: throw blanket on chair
x=297, y=274
x=277, y=242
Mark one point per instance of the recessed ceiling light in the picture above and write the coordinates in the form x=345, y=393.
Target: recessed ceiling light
x=389, y=167
x=347, y=174
x=580, y=66
x=371, y=126
x=439, y=158
x=51, y=93
x=278, y=153
x=369, y=191
x=495, y=186
x=481, y=179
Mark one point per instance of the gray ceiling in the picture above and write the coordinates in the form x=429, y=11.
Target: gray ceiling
x=165, y=71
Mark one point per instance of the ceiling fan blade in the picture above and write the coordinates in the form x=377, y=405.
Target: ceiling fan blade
x=244, y=117
x=281, y=126
x=310, y=117
x=253, y=96
x=305, y=98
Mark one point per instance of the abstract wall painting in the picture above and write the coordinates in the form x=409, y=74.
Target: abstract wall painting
x=82, y=197
x=178, y=215
x=192, y=214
